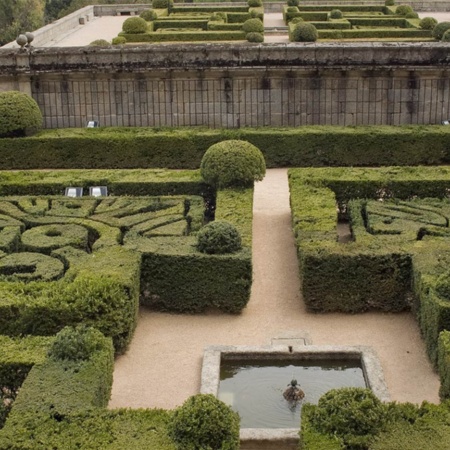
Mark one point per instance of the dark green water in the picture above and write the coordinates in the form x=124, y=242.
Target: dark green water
x=255, y=388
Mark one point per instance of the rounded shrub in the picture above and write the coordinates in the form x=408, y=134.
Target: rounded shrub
x=255, y=37
x=293, y=2
x=148, y=15
x=232, y=163
x=255, y=14
x=134, y=25
x=119, y=40
x=296, y=20
x=336, y=14
x=253, y=26
x=254, y=3
x=99, y=43
x=19, y=114
x=446, y=36
x=440, y=29
x=76, y=344
x=292, y=9
x=412, y=15
x=160, y=4
x=355, y=415
x=204, y=422
x=218, y=16
x=218, y=237
x=428, y=23
x=305, y=32
x=402, y=10
x=389, y=3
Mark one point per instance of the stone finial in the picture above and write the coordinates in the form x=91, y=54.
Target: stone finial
x=30, y=37
x=22, y=40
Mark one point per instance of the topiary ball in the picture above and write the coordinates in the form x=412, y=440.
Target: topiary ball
x=218, y=16
x=428, y=23
x=296, y=20
x=440, y=29
x=76, y=344
x=255, y=37
x=402, y=10
x=204, y=422
x=293, y=2
x=232, y=163
x=134, y=25
x=19, y=115
x=99, y=43
x=354, y=415
x=305, y=32
x=389, y=3
x=119, y=40
x=253, y=26
x=160, y=4
x=292, y=9
x=148, y=15
x=446, y=36
x=412, y=15
x=336, y=14
x=217, y=238
x=254, y=3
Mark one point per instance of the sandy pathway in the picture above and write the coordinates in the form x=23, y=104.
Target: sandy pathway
x=162, y=366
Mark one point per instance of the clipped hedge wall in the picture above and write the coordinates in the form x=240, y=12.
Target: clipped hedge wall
x=185, y=36
x=184, y=148
x=444, y=364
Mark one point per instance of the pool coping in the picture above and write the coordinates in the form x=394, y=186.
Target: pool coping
x=210, y=378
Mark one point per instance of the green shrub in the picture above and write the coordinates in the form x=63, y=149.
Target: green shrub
x=253, y=26
x=440, y=29
x=293, y=2
x=304, y=32
x=296, y=20
x=443, y=364
x=255, y=37
x=336, y=14
x=354, y=415
x=218, y=238
x=292, y=9
x=160, y=4
x=254, y=3
x=134, y=25
x=428, y=23
x=76, y=343
x=446, y=36
x=19, y=114
x=412, y=15
x=389, y=2
x=148, y=15
x=256, y=14
x=232, y=163
x=402, y=10
x=442, y=285
x=119, y=40
x=99, y=43
x=204, y=422
x=218, y=16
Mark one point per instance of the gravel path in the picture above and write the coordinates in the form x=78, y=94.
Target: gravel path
x=163, y=364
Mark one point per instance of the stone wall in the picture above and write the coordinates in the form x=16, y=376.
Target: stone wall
x=229, y=85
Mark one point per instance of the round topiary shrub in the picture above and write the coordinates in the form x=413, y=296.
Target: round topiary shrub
x=402, y=10
x=134, y=25
x=76, y=344
x=255, y=37
x=160, y=4
x=253, y=26
x=19, y=115
x=292, y=9
x=218, y=237
x=296, y=20
x=446, y=36
x=293, y=2
x=305, y=32
x=412, y=15
x=389, y=3
x=218, y=16
x=119, y=40
x=99, y=43
x=232, y=163
x=254, y=3
x=354, y=415
x=255, y=14
x=428, y=23
x=204, y=422
x=148, y=15
x=336, y=14
x=440, y=29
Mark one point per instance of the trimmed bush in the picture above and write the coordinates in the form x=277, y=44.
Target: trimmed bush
x=336, y=14
x=232, y=163
x=204, y=422
x=134, y=25
x=255, y=37
x=439, y=30
x=412, y=15
x=254, y=3
x=218, y=16
x=428, y=23
x=19, y=115
x=118, y=40
x=100, y=43
x=296, y=20
x=293, y=2
x=76, y=344
x=402, y=10
x=355, y=415
x=389, y=2
x=446, y=36
x=304, y=32
x=148, y=15
x=442, y=285
x=444, y=364
x=218, y=238
x=160, y=4
x=253, y=26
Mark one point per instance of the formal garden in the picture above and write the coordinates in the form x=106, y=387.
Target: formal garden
x=177, y=237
